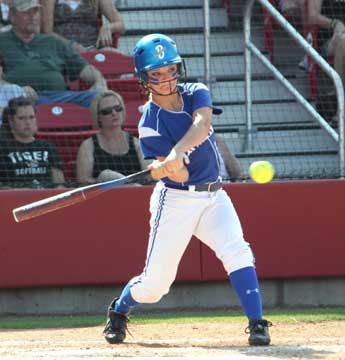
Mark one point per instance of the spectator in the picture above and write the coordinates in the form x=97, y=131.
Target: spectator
x=41, y=61
x=24, y=160
x=230, y=167
x=4, y=21
x=293, y=10
x=329, y=15
x=7, y=92
x=111, y=153
x=75, y=22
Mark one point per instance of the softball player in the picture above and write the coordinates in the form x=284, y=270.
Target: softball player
x=188, y=199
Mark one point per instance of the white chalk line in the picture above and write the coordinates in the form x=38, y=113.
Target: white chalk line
x=180, y=349
x=159, y=341
x=107, y=354
x=246, y=353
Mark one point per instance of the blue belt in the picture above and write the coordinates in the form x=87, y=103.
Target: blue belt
x=210, y=187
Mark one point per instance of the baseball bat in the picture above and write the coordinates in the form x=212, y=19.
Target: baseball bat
x=71, y=197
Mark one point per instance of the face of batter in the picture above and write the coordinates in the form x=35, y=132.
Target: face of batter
x=163, y=81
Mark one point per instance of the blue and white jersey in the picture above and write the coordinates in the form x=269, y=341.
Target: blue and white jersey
x=160, y=130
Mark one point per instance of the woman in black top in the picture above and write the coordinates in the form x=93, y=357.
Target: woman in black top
x=111, y=153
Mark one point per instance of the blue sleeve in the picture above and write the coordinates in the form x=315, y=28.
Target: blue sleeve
x=155, y=146
x=201, y=97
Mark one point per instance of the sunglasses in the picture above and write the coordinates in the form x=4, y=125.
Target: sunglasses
x=110, y=109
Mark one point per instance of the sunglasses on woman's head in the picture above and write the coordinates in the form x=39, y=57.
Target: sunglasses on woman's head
x=109, y=110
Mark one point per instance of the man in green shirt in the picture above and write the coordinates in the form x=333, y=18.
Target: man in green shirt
x=42, y=62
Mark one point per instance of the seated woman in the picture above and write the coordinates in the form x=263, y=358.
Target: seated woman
x=293, y=10
x=76, y=22
x=24, y=160
x=111, y=153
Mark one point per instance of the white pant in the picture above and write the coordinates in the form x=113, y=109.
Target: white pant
x=176, y=215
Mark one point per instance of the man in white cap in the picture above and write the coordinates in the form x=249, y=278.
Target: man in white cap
x=41, y=62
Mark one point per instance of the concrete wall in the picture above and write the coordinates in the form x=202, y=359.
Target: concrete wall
x=328, y=292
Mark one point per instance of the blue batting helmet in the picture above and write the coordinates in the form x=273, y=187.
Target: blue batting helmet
x=153, y=52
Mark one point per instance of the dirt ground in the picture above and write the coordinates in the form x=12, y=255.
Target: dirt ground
x=325, y=340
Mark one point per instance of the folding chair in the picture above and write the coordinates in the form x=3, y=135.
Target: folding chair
x=62, y=117
x=226, y=5
x=269, y=23
x=114, y=66
x=67, y=144
x=129, y=89
x=65, y=126
x=134, y=109
x=111, y=64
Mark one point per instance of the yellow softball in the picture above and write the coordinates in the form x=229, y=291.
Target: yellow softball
x=261, y=171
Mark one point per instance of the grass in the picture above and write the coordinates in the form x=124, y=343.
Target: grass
x=276, y=315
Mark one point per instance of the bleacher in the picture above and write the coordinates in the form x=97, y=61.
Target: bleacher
x=283, y=132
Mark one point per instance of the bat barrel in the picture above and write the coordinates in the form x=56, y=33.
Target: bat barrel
x=69, y=198
x=45, y=206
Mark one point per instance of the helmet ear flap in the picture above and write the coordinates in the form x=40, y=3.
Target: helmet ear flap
x=143, y=79
x=143, y=83
x=182, y=71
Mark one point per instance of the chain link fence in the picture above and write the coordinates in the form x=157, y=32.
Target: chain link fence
x=283, y=131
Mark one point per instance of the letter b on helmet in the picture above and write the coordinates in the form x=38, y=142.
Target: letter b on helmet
x=153, y=52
